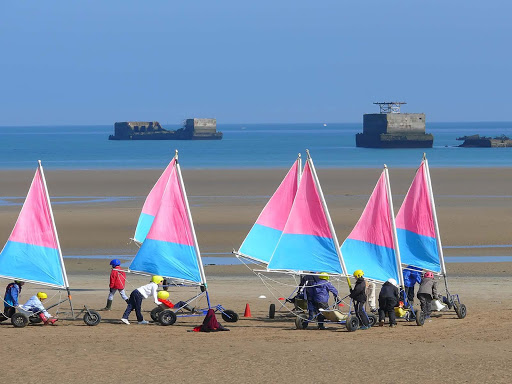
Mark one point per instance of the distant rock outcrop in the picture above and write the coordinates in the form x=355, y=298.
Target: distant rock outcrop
x=193, y=129
x=485, y=142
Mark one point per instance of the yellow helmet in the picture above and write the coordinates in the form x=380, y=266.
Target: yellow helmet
x=323, y=276
x=359, y=273
x=163, y=295
x=157, y=279
x=42, y=295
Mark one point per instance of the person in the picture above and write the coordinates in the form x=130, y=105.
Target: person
x=412, y=275
x=358, y=294
x=427, y=292
x=371, y=293
x=141, y=293
x=210, y=323
x=388, y=300
x=12, y=294
x=35, y=305
x=117, y=283
x=317, y=293
x=163, y=296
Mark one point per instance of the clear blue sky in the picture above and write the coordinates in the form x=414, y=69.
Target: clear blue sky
x=96, y=62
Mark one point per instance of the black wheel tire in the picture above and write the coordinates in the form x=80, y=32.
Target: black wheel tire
x=165, y=285
x=460, y=310
x=352, y=323
x=372, y=319
x=272, y=311
x=92, y=318
x=34, y=320
x=167, y=317
x=420, y=317
x=229, y=316
x=19, y=320
x=155, y=312
x=299, y=322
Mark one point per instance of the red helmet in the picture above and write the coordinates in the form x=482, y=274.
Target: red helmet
x=429, y=275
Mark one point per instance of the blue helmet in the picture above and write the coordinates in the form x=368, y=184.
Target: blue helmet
x=115, y=262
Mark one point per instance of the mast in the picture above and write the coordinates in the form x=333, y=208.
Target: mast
x=196, y=245
x=393, y=228
x=326, y=211
x=299, y=169
x=64, y=274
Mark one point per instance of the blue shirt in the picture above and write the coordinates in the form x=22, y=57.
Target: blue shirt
x=318, y=289
x=12, y=293
x=411, y=277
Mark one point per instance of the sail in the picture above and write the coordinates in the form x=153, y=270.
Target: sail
x=307, y=242
x=170, y=248
x=370, y=245
x=264, y=235
x=152, y=204
x=32, y=252
x=416, y=226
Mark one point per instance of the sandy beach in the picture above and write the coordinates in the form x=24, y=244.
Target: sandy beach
x=474, y=209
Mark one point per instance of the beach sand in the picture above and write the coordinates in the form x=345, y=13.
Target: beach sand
x=473, y=209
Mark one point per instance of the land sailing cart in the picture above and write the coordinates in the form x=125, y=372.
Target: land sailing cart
x=32, y=254
x=169, y=246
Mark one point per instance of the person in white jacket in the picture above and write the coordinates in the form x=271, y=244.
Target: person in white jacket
x=141, y=293
x=35, y=305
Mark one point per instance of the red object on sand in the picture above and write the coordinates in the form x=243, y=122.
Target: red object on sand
x=341, y=305
x=247, y=312
x=281, y=298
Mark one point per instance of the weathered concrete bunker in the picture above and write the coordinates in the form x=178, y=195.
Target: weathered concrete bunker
x=392, y=129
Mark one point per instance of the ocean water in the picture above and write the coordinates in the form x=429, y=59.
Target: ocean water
x=243, y=146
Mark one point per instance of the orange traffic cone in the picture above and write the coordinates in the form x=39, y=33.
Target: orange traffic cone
x=247, y=312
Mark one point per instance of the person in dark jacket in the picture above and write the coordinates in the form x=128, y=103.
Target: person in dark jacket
x=412, y=275
x=358, y=294
x=12, y=293
x=427, y=292
x=317, y=293
x=388, y=300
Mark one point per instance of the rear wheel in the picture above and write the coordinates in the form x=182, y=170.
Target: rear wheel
x=372, y=319
x=352, y=323
x=229, y=316
x=420, y=317
x=155, y=312
x=272, y=311
x=167, y=317
x=300, y=323
x=92, y=318
x=35, y=319
x=19, y=320
x=460, y=310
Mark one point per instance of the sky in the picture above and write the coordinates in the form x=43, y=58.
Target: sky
x=279, y=61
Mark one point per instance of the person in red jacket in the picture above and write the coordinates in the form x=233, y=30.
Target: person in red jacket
x=117, y=282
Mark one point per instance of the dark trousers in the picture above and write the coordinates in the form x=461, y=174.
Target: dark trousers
x=9, y=311
x=410, y=294
x=360, y=313
x=134, y=302
x=425, y=303
x=314, y=310
x=387, y=307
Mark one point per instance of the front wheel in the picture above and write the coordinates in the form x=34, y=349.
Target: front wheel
x=35, y=319
x=230, y=316
x=92, y=318
x=372, y=320
x=420, y=317
x=352, y=323
x=167, y=317
x=272, y=311
x=19, y=320
x=460, y=310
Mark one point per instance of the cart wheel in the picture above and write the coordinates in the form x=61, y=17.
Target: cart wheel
x=372, y=319
x=352, y=323
x=300, y=323
x=34, y=320
x=155, y=312
x=229, y=316
x=19, y=320
x=420, y=317
x=272, y=311
x=460, y=310
x=167, y=317
x=92, y=318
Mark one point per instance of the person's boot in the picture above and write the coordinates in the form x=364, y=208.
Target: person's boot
x=108, y=306
x=51, y=321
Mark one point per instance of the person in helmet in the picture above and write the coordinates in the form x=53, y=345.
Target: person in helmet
x=317, y=294
x=12, y=293
x=141, y=293
x=117, y=283
x=35, y=305
x=412, y=275
x=427, y=292
x=388, y=300
x=358, y=294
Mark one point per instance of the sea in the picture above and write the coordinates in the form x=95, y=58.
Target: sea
x=331, y=145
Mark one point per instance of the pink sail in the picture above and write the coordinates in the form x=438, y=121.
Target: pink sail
x=415, y=214
x=307, y=216
x=276, y=212
x=154, y=198
x=34, y=225
x=171, y=222
x=374, y=225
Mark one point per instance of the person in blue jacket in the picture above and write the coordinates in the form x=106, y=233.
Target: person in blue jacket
x=412, y=275
x=317, y=293
x=12, y=293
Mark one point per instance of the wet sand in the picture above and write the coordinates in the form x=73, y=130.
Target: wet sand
x=473, y=208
